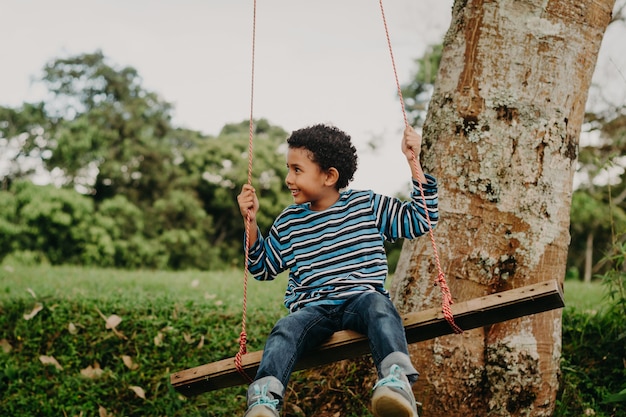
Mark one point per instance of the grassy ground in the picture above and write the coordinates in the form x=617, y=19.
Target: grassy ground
x=587, y=297
x=166, y=316
x=223, y=288
x=169, y=321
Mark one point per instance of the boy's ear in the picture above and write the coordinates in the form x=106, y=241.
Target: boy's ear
x=332, y=176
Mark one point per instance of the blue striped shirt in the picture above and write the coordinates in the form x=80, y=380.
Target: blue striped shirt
x=339, y=252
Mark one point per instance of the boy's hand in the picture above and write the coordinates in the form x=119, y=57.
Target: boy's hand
x=411, y=143
x=248, y=201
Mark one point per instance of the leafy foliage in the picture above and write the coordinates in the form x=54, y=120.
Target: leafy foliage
x=593, y=364
x=136, y=192
x=594, y=352
x=419, y=90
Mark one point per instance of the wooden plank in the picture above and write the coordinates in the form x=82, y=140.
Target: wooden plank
x=419, y=326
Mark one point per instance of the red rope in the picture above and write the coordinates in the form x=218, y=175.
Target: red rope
x=446, y=296
x=243, y=336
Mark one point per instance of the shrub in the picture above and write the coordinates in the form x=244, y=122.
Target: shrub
x=594, y=351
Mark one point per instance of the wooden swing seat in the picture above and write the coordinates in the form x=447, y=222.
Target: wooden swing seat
x=419, y=326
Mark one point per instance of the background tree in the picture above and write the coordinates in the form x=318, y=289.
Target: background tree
x=601, y=194
x=595, y=217
x=21, y=130
x=107, y=123
x=217, y=168
x=159, y=196
x=419, y=90
x=501, y=135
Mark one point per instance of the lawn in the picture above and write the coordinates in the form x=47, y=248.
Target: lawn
x=587, y=297
x=171, y=321
x=221, y=288
x=217, y=287
x=163, y=322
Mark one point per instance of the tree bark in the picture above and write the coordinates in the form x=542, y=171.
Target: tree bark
x=501, y=136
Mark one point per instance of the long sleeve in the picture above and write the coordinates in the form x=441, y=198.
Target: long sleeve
x=335, y=253
x=408, y=219
x=265, y=258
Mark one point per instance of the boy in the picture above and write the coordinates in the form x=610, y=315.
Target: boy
x=331, y=240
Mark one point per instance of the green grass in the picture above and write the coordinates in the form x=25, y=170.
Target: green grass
x=216, y=287
x=221, y=288
x=182, y=309
x=170, y=321
x=584, y=297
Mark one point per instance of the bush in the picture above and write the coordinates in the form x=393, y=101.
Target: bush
x=594, y=351
x=593, y=364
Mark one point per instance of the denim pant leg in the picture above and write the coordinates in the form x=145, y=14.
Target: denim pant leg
x=374, y=315
x=292, y=336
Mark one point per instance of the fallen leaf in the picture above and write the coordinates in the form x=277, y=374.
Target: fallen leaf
x=6, y=346
x=38, y=307
x=188, y=339
x=128, y=361
x=158, y=339
x=102, y=412
x=92, y=372
x=72, y=328
x=31, y=292
x=201, y=344
x=139, y=391
x=112, y=321
x=50, y=360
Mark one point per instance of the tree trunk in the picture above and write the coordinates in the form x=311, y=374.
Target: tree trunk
x=501, y=136
x=588, y=258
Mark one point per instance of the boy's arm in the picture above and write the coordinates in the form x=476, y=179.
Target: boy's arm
x=261, y=262
x=411, y=147
x=249, y=206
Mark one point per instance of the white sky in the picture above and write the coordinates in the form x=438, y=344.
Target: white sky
x=316, y=61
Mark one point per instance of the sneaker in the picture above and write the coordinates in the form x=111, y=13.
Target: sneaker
x=393, y=396
x=263, y=405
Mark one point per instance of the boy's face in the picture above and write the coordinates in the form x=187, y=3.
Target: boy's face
x=307, y=182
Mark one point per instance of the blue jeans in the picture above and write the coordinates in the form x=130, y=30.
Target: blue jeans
x=372, y=314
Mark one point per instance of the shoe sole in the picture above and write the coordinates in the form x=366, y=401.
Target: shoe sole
x=260, y=411
x=388, y=403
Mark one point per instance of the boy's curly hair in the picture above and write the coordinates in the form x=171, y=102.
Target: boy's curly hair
x=330, y=147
